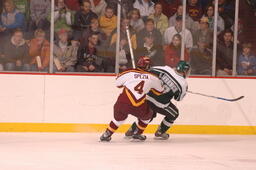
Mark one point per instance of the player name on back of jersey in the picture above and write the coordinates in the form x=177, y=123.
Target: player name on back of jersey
x=141, y=76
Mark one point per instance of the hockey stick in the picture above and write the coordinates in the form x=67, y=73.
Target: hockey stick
x=215, y=97
x=130, y=45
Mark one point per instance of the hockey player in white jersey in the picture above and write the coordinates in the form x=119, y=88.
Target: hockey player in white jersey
x=175, y=85
x=136, y=83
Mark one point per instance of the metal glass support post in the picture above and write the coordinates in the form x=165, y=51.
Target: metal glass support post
x=214, y=52
x=51, y=37
x=235, y=39
x=183, y=29
x=118, y=36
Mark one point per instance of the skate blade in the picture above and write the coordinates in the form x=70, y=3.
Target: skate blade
x=127, y=137
x=160, y=138
x=136, y=140
x=103, y=141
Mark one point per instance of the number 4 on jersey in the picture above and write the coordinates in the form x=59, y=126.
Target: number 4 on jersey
x=139, y=87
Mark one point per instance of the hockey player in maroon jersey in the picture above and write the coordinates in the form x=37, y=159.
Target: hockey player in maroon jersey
x=136, y=83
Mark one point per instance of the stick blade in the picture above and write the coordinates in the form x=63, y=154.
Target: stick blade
x=233, y=100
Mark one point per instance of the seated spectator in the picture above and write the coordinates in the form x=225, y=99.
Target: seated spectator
x=160, y=20
x=204, y=32
x=149, y=30
x=224, y=56
x=124, y=46
x=209, y=13
x=201, y=58
x=62, y=17
x=170, y=6
x=98, y=7
x=135, y=20
x=39, y=50
x=205, y=3
x=14, y=53
x=177, y=29
x=123, y=54
x=39, y=11
x=82, y=19
x=194, y=10
x=172, y=52
x=23, y=7
x=94, y=28
x=252, y=4
x=152, y=50
x=247, y=61
x=124, y=23
x=10, y=20
x=88, y=59
x=126, y=6
x=146, y=8
x=241, y=36
x=108, y=21
x=226, y=10
x=73, y=5
x=65, y=53
x=189, y=22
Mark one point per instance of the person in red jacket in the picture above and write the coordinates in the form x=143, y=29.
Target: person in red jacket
x=172, y=52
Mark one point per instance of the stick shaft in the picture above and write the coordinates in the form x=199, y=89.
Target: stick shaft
x=216, y=97
x=130, y=46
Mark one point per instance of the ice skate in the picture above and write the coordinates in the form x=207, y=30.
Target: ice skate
x=106, y=136
x=139, y=137
x=161, y=136
x=130, y=132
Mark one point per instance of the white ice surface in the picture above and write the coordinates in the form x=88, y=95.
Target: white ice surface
x=81, y=151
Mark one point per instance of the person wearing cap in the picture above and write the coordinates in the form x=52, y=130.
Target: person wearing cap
x=64, y=53
x=203, y=31
x=201, y=58
x=247, y=61
x=177, y=29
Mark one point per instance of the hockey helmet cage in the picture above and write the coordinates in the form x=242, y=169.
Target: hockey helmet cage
x=144, y=62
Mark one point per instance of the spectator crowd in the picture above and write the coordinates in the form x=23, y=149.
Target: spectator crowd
x=85, y=35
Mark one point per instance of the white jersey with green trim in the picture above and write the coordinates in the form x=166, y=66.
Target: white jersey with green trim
x=174, y=84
